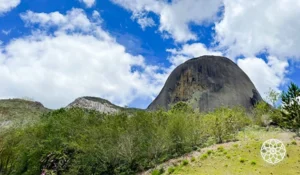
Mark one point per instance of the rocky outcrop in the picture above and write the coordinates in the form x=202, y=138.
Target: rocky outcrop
x=206, y=83
x=93, y=103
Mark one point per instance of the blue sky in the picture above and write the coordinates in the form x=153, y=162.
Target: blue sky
x=123, y=50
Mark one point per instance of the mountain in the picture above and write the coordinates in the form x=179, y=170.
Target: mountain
x=19, y=112
x=98, y=104
x=206, y=83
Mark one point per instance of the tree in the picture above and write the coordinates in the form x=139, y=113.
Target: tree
x=291, y=108
x=273, y=97
x=181, y=107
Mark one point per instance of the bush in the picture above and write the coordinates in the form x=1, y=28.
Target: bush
x=220, y=149
x=209, y=152
x=224, y=123
x=294, y=142
x=253, y=162
x=204, y=156
x=193, y=159
x=171, y=170
x=157, y=172
x=185, y=162
x=242, y=160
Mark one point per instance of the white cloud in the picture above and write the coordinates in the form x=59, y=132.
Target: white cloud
x=143, y=20
x=89, y=3
x=7, y=5
x=251, y=27
x=265, y=75
x=175, y=17
x=78, y=58
x=6, y=32
x=189, y=51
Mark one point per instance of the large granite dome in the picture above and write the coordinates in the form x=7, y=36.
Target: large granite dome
x=206, y=83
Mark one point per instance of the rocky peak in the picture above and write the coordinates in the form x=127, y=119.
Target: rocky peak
x=206, y=83
x=94, y=103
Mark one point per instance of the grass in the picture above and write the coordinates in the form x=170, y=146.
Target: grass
x=244, y=158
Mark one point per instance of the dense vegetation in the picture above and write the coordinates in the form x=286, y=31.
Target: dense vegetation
x=78, y=141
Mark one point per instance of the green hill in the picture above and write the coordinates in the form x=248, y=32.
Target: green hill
x=234, y=158
x=19, y=112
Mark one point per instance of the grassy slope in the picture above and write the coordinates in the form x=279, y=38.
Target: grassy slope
x=229, y=160
x=19, y=112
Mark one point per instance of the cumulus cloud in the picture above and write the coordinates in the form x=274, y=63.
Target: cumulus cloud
x=70, y=55
x=265, y=74
x=88, y=3
x=7, y=5
x=189, y=51
x=251, y=27
x=176, y=16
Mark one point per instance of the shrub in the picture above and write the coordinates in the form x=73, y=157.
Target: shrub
x=220, y=149
x=253, y=162
x=242, y=160
x=224, y=123
x=204, y=156
x=193, y=159
x=185, y=162
x=156, y=172
x=209, y=152
x=171, y=170
x=294, y=142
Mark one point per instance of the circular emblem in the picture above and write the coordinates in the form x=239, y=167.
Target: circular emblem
x=273, y=151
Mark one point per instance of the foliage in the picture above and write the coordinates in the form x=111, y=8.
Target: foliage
x=264, y=114
x=78, y=141
x=181, y=107
x=171, y=170
x=224, y=123
x=273, y=97
x=291, y=108
x=185, y=162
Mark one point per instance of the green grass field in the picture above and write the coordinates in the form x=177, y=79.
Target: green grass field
x=242, y=157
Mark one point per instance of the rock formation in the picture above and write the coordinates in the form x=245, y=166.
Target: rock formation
x=206, y=83
x=94, y=103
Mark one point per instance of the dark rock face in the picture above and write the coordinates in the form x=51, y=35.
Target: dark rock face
x=206, y=83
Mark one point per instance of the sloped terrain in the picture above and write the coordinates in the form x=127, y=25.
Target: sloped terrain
x=19, y=112
x=242, y=157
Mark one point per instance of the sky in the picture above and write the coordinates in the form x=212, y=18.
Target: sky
x=124, y=50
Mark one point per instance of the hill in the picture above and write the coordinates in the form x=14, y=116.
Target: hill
x=19, y=112
x=234, y=158
x=206, y=83
x=99, y=104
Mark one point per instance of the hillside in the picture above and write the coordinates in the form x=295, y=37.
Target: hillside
x=20, y=112
x=99, y=104
x=234, y=158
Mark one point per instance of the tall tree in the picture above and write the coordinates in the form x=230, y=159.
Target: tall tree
x=291, y=108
